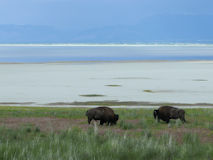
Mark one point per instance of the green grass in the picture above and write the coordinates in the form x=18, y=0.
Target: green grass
x=79, y=145
x=199, y=80
x=113, y=85
x=92, y=95
x=29, y=142
x=72, y=113
x=196, y=118
x=148, y=91
x=125, y=125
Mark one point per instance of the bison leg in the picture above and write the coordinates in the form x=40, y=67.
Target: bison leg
x=167, y=121
x=89, y=120
x=101, y=122
x=110, y=123
x=158, y=119
x=183, y=120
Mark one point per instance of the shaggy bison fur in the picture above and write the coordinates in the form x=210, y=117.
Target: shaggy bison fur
x=104, y=114
x=166, y=113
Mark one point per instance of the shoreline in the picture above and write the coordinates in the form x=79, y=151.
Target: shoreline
x=114, y=107
x=107, y=45
x=111, y=61
x=112, y=104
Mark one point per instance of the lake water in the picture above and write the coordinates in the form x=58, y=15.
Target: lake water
x=179, y=82
x=107, y=52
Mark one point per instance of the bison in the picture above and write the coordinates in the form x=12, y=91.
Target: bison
x=166, y=113
x=104, y=114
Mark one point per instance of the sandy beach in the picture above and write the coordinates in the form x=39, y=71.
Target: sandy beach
x=136, y=84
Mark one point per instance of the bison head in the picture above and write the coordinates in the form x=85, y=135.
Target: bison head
x=155, y=113
x=116, y=117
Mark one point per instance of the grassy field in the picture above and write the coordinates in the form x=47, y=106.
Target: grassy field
x=63, y=133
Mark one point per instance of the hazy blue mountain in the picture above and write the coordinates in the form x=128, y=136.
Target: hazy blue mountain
x=29, y=34
x=161, y=28
x=191, y=29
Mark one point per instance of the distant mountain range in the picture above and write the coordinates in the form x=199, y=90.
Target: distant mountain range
x=157, y=29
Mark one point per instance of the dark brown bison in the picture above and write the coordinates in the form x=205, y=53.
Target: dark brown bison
x=104, y=114
x=166, y=113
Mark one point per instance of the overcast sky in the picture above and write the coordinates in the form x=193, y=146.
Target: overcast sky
x=106, y=21
x=86, y=14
